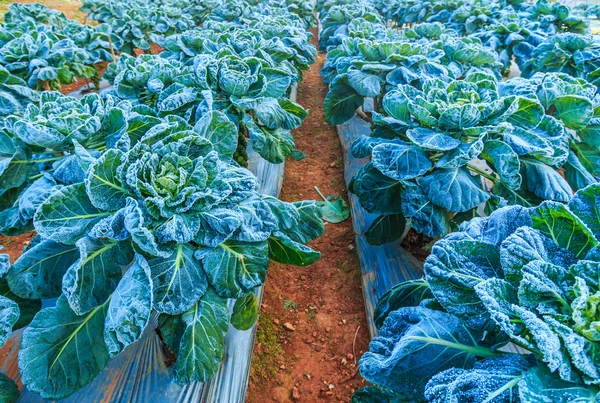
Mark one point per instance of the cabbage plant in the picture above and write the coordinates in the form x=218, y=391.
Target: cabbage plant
x=51, y=144
x=45, y=61
x=506, y=312
x=251, y=92
x=338, y=17
x=573, y=54
x=170, y=225
x=452, y=148
x=572, y=101
x=15, y=95
x=359, y=69
x=136, y=23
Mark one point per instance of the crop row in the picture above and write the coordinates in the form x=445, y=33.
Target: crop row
x=485, y=133
x=138, y=196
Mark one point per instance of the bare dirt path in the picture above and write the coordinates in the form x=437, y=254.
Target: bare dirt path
x=323, y=303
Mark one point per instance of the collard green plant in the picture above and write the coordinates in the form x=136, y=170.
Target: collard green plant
x=137, y=24
x=442, y=152
x=51, y=145
x=359, y=69
x=338, y=17
x=363, y=68
x=528, y=276
x=22, y=19
x=250, y=92
x=14, y=93
x=168, y=225
x=45, y=61
x=573, y=54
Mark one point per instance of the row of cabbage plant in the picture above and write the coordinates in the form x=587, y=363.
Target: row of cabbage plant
x=450, y=138
x=139, y=200
x=481, y=128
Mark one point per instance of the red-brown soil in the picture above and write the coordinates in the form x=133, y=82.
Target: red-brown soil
x=323, y=302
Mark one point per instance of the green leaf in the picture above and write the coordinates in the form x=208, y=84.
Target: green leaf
x=453, y=270
x=424, y=216
x=27, y=307
x=310, y=222
x=38, y=272
x=9, y=314
x=564, y=227
x=178, y=281
x=544, y=181
x=590, y=134
x=67, y=215
x=202, y=344
x=494, y=379
x=273, y=145
x=586, y=205
x=539, y=385
x=367, y=85
x=284, y=250
x=9, y=391
x=15, y=169
x=333, y=211
x=220, y=130
x=453, y=189
x=277, y=82
x=528, y=114
x=102, y=182
x=406, y=294
x=234, y=269
x=129, y=308
x=385, y=229
x=416, y=343
x=577, y=176
x=245, y=312
x=377, y=193
x=574, y=111
x=504, y=161
x=399, y=161
x=62, y=352
x=341, y=101
x=91, y=280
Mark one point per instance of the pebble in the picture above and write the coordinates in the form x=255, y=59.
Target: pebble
x=289, y=326
x=350, y=356
x=295, y=393
x=276, y=321
x=332, y=165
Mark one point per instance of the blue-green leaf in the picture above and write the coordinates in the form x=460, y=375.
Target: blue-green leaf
x=202, y=343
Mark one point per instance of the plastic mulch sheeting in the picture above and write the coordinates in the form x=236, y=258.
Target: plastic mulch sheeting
x=140, y=373
x=383, y=266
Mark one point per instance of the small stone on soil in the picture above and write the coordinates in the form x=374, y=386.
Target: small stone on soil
x=295, y=394
x=289, y=326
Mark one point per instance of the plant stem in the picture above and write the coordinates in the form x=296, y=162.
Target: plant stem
x=482, y=173
x=320, y=194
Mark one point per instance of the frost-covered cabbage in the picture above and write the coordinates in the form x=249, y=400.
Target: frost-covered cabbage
x=251, y=91
x=170, y=225
x=50, y=145
x=521, y=278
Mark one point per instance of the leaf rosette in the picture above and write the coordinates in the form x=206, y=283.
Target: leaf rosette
x=507, y=311
x=451, y=148
x=53, y=143
x=169, y=225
